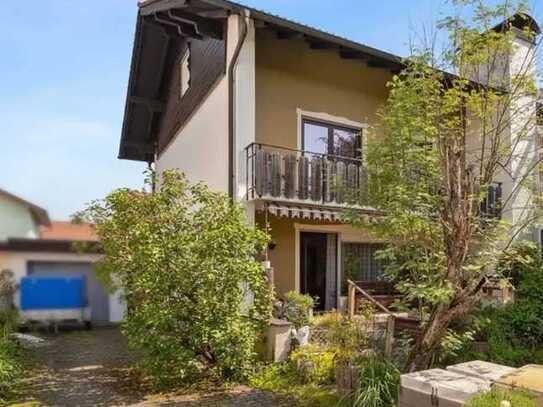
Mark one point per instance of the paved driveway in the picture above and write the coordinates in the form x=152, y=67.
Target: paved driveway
x=91, y=368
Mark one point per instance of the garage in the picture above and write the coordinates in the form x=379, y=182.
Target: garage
x=96, y=294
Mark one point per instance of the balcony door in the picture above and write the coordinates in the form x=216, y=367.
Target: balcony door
x=318, y=274
x=326, y=138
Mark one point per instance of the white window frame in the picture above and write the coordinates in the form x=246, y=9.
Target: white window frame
x=334, y=120
x=184, y=72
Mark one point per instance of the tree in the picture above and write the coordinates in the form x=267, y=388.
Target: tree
x=185, y=259
x=443, y=140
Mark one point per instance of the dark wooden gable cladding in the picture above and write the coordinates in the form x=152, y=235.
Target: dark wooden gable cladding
x=207, y=64
x=154, y=110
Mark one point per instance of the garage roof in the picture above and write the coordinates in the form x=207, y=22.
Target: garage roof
x=62, y=230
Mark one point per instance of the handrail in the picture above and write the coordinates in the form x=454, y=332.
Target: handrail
x=391, y=319
x=371, y=299
x=283, y=172
x=340, y=157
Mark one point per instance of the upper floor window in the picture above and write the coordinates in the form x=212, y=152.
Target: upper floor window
x=184, y=71
x=328, y=138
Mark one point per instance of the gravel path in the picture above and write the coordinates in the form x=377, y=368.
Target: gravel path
x=91, y=368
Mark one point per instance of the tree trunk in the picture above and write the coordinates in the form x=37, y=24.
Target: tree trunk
x=429, y=341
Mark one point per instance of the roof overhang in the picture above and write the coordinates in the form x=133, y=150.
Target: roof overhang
x=520, y=21
x=160, y=20
x=51, y=246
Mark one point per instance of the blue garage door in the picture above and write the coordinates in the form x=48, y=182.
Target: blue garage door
x=96, y=294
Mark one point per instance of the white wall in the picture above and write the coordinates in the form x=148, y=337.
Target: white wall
x=245, y=114
x=17, y=263
x=200, y=148
x=16, y=220
x=523, y=133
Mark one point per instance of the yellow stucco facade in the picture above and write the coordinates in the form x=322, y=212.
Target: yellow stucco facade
x=290, y=76
x=292, y=79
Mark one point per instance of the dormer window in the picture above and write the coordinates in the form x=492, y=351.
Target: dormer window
x=184, y=72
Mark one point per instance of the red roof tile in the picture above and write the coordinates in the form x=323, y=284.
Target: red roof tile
x=61, y=230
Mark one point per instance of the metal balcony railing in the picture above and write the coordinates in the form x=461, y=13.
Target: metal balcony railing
x=302, y=176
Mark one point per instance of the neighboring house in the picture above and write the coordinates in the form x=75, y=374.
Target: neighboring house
x=32, y=245
x=272, y=112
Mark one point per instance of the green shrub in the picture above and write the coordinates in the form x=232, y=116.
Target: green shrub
x=379, y=383
x=283, y=378
x=453, y=346
x=521, y=258
x=275, y=377
x=8, y=321
x=515, y=332
x=11, y=368
x=315, y=364
x=343, y=334
x=185, y=257
x=494, y=397
x=298, y=308
x=11, y=358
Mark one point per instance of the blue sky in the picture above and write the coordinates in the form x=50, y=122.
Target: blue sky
x=63, y=77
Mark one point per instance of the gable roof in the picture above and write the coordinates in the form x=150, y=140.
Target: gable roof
x=519, y=21
x=39, y=214
x=155, y=17
x=143, y=110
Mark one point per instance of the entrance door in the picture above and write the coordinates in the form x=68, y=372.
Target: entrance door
x=313, y=266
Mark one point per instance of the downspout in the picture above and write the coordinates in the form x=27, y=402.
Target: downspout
x=231, y=100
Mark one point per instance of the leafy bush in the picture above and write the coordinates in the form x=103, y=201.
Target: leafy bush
x=314, y=364
x=284, y=378
x=515, y=332
x=185, y=258
x=343, y=334
x=11, y=358
x=507, y=343
x=521, y=258
x=298, y=308
x=11, y=368
x=8, y=321
x=379, y=383
x=453, y=346
x=494, y=397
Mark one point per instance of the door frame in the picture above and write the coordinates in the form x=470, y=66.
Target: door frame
x=302, y=227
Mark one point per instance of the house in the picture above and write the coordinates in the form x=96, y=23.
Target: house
x=274, y=113
x=33, y=245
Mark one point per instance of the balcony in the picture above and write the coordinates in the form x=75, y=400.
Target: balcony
x=283, y=174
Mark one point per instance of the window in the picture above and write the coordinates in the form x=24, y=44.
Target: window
x=326, y=138
x=359, y=262
x=184, y=72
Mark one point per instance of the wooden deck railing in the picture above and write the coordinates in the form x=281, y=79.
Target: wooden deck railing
x=286, y=174
x=353, y=288
x=395, y=323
